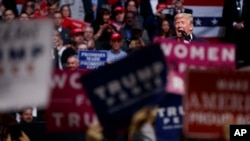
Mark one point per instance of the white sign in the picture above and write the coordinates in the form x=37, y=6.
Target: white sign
x=25, y=63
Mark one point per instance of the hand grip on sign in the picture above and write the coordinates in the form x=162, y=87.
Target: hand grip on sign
x=145, y=115
x=94, y=132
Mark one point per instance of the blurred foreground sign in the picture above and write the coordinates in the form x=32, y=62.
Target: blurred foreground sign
x=168, y=123
x=215, y=99
x=25, y=63
x=120, y=89
x=69, y=109
x=181, y=57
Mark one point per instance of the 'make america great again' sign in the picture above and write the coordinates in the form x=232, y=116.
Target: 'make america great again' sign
x=214, y=99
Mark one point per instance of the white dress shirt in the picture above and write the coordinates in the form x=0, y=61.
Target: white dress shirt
x=153, y=4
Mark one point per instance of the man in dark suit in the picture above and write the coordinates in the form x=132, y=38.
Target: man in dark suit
x=177, y=7
x=236, y=19
x=90, y=7
x=183, y=27
x=64, y=33
x=148, y=7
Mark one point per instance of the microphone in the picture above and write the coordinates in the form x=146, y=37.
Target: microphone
x=184, y=35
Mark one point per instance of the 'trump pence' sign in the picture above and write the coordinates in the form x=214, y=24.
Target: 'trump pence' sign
x=168, y=123
x=69, y=109
x=118, y=90
x=181, y=56
x=25, y=63
x=215, y=99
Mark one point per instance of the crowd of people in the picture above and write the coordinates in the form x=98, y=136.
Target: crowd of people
x=139, y=23
x=122, y=28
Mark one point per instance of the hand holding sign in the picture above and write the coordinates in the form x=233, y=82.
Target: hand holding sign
x=142, y=117
x=94, y=132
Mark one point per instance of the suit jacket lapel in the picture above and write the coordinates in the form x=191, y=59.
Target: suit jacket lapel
x=87, y=6
x=99, y=3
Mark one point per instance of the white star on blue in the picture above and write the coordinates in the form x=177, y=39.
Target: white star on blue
x=198, y=22
x=207, y=21
x=214, y=21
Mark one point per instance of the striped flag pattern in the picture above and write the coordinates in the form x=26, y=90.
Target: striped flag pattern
x=207, y=18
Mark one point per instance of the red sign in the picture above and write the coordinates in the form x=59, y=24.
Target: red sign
x=71, y=23
x=181, y=57
x=214, y=99
x=69, y=108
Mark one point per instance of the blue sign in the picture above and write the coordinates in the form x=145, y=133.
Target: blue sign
x=168, y=123
x=118, y=90
x=92, y=59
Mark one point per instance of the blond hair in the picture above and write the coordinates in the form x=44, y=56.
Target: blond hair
x=185, y=15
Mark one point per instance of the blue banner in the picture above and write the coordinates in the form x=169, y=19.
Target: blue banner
x=118, y=90
x=92, y=59
x=168, y=123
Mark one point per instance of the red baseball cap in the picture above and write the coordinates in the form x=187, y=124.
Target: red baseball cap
x=76, y=31
x=161, y=6
x=119, y=9
x=116, y=36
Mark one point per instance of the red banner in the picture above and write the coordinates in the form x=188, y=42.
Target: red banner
x=72, y=24
x=69, y=109
x=213, y=100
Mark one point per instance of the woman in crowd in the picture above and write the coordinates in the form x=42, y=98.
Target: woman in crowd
x=65, y=10
x=132, y=6
x=66, y=14
x=24, y=17
x=29, y=7
x=102, y=29
x=165, y=30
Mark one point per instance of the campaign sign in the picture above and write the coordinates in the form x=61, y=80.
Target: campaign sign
x=215, y=99
x=120, y=89
x=181, y=56
x=71, y=23
x=92, y=59
x=25, y=63
x=168, y=122
x=69, y=108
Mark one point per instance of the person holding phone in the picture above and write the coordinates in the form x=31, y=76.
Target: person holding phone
x=153, y=22
x=178, y=7
x=136, y=39
x=133, y=33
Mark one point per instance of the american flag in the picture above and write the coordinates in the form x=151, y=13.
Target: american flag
x=207, y=18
